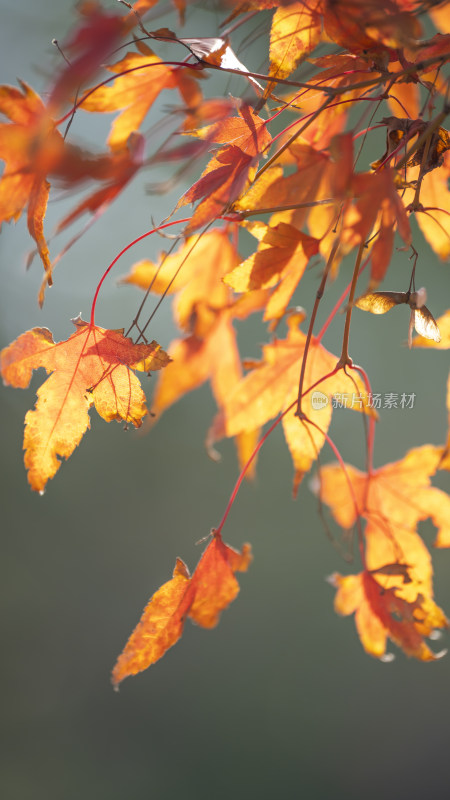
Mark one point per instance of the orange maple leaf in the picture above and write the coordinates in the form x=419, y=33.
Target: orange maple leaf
x=93, y=367
x=272, y=387
x=336, y=71
x=204, y=307
x=393, y=597
x=34, y=150
x=433, y=213
x=231, y=168
x=309, y=182
x=201, y=597
x=117, y=171
x=281, y=259
x=31, y=148
x=398, y=494
x=91, y=43
x=294, y=33
x=214, y=358
x=376, y=207
x=380, y=613
x=144, y=78
x=370, y=27
x=194, y=272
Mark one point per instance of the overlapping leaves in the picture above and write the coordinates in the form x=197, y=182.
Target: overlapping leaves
x=311, y=203
x=393, y=597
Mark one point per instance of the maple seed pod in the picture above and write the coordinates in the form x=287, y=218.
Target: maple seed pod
x=421, y=317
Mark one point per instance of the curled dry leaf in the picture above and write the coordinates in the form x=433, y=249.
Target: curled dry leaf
x=201, y=597
x=429, y=155
x=380, y=614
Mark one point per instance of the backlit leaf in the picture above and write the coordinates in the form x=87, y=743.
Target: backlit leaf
x=295, y=32
x=194, y=273
x=134, y=92
x=227, y=175
x=398, y=494
x=202, y=598
x=381, y=614
x=283, y=252
x=273, y=386
x=93, y=367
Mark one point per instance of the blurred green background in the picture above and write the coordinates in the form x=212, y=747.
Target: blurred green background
x=278, y=701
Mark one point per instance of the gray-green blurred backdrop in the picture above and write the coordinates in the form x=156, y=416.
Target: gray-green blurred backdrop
x=278, y=701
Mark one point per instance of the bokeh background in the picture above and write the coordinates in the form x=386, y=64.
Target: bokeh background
x=278, y=701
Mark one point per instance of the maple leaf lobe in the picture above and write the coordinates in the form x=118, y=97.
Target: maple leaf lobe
x=93, y=367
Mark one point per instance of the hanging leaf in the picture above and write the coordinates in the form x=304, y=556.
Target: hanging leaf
x=93, y=367
x=202, y=598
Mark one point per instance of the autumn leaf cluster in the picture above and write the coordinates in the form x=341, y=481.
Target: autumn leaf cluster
x=287, y=168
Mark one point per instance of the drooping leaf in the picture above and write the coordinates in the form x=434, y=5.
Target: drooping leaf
x=34, y=151
x=194, y=273
x=295, y=32
x=214, y=357
x=134, y=92
x=123, y=166
x=367, y=25
x=393, y=597
x=381, y=614
x=201, y=597
x=372, y=208
x=31, y=148
x=273, y=386
x=281, y=258
x=434, y=210
x=93, y=367
x=378, y=209
x=228, y=173
x=398, y=494
x=119, y=169
x=91, y=43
